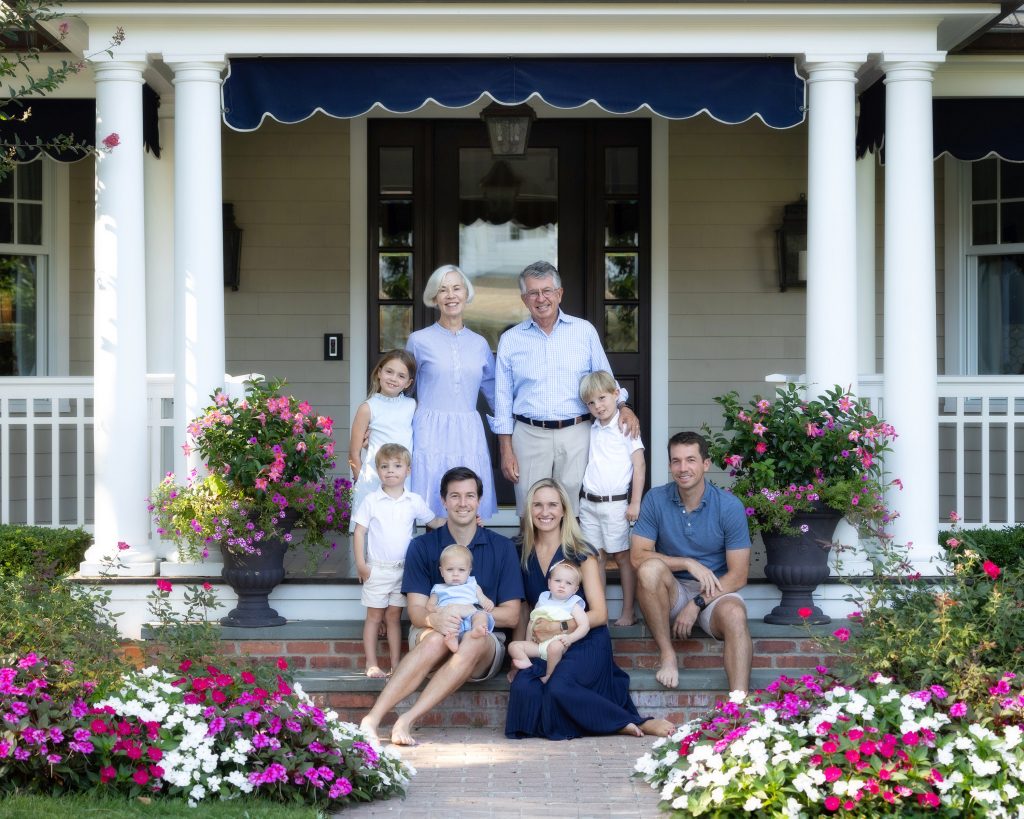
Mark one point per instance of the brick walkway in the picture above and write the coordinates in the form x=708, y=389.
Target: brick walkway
x=476, y=772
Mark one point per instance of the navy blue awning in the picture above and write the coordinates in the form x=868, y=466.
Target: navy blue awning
x=76, y=118
x=730, y=90
x=967, y=128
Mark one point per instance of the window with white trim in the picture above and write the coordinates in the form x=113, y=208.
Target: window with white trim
x=25, y=281
x=994, y=292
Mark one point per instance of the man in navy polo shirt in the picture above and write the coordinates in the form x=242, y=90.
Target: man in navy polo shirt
x=691, y=550
x=497, y=571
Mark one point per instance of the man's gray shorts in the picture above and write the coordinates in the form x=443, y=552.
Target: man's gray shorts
x=498, y=637
x=686, y=590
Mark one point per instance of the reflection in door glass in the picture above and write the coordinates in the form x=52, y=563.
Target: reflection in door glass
x=508, y=218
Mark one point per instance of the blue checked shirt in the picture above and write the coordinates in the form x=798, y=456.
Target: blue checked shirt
x=538, y=375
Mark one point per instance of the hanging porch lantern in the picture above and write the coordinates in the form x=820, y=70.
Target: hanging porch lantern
x=508, y=126
x=791, y=239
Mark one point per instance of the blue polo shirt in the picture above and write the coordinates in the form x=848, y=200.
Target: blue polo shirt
x=705, y=534
x=495, y=564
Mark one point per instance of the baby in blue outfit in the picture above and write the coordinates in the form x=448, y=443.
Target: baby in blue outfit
x=460, y=589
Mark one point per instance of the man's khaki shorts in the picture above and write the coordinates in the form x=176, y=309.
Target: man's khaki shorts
x=416, y=633
x=686, y=590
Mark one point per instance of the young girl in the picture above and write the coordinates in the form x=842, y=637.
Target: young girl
x=387, y=413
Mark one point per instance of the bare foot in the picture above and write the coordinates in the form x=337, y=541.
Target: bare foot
x=452, y=641
x=478, y=631
x=369, y=729
x=401, y=733
x=657, y=727
x=545, y=678
x=511, y=675
x=631, y=731
x=375, y=672
x=626, y=620
x=521, y=662
x=668, y=674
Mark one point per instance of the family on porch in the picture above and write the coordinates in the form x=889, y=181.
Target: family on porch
x=683, y=551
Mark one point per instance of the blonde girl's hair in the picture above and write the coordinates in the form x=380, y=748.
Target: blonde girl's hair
x=392, y=355
x=574, y=547
x=456, y=550
x=434, y=284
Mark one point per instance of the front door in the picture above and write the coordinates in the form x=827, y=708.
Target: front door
x=579, y=199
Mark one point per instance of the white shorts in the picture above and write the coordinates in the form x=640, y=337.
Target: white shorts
x=604, y=525
x=383, y=587
x=686, y=590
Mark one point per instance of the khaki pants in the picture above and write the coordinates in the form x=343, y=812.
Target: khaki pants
x=551, y=453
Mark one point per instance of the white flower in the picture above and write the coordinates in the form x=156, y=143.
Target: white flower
x=1010, y=791
x=979, y=731
x=197, y=793
x=670, y=758
x=1012, y=736
x=944, y=755
x=718, y=796
x=983, y=767
x=737, y=696
x=752, y=804
x=962, y=743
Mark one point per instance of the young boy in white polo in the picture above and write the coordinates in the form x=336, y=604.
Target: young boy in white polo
x=612, y=484
x=384, y=526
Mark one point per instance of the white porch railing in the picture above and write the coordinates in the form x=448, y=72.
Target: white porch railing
x=981, y=445
x=46, y=447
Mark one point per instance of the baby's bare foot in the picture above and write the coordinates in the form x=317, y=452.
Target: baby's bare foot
x=545, y=678
x=452, y=641
x=478, y=631
x=521, y=662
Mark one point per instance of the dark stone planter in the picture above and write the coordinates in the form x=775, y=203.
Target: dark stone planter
x=253, y=578
x=796, y=564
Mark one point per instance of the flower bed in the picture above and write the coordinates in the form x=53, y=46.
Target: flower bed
x=198, y=734
x=814, y=746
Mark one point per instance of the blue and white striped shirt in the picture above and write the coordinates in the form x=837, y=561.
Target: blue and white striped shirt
x=538, y=375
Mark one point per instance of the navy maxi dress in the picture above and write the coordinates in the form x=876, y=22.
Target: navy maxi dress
x=588, y=695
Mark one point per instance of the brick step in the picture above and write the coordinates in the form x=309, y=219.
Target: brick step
x=326, y=656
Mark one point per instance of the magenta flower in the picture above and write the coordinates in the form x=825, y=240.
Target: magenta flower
x=841, y=634
x=111, y=140
x=805, y=612
x=958, y=709
x=991, y=569
x=164, y=585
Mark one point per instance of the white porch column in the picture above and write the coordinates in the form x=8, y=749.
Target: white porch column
x=119, y=345
x=198, y=255
x=831, y=223
x=159, y=174
x=911, y=393
x=866, y=355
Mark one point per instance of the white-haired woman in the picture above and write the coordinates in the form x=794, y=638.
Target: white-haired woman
x=454, y=365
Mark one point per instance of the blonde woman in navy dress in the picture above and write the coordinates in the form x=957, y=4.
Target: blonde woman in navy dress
x=454, y=365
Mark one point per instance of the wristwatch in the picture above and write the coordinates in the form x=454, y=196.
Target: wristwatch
x=565, y=626
x=700, y=602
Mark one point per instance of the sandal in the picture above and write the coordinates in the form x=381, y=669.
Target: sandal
x=375, y=672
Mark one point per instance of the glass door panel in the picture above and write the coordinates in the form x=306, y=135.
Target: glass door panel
x=508, y=218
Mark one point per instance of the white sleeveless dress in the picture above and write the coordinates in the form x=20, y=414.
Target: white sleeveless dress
x=390, y=423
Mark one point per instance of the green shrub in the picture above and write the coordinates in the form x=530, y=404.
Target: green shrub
x=962, y=631
x=54, y=617
x=35, y=550
x=1004, y=547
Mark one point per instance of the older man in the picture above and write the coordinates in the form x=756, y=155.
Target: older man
x=691, y=551
x=496, y=569
x=538, y=415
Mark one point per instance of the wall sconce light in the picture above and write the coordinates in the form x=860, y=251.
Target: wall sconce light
x=508, y=126
x=791, y=239
x=232, y=247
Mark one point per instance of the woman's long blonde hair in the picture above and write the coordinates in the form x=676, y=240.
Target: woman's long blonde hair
x=574, y=547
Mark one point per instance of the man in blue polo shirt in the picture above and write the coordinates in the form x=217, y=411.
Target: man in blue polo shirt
x=496, y=569
x=691, y=550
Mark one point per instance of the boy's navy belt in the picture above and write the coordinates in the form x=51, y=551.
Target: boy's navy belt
x=568, y=422
x=603, y=498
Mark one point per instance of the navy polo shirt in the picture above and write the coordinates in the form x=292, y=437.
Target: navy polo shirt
x=495, y=564
x=718, y=524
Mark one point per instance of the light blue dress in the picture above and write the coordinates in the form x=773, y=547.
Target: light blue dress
x=452, y=369
x=390, y=423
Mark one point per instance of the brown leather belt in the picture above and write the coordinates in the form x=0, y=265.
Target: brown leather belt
x=568, y=422
x=603, y=498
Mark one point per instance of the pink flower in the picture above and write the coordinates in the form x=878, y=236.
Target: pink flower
x=63, y=28
x=991, y=569
x=207, y=586
x=282, y=663
x=952, y=542
x=957, y=709
x=164, y=585
x=761, y=448
x=832, y=773
x=805, y=612
x=759, y=429
x=106, y=774
x=832, y=803
x=140, y=776
x=111, y=140
x=841, y=634
x=953, y=517
x=122, y=546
